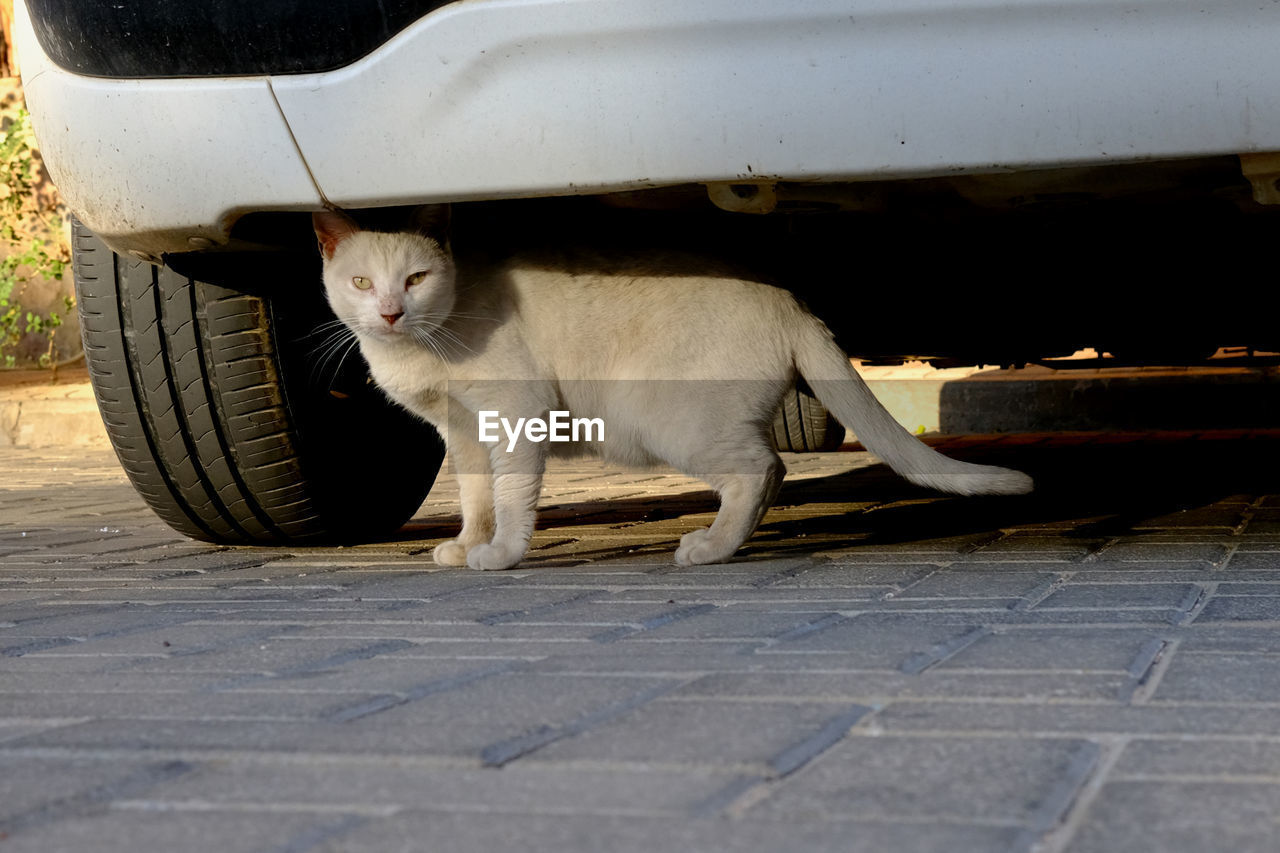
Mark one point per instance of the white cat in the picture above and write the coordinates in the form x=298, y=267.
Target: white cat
x=683, y=368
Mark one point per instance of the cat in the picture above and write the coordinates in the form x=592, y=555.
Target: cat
x=686, y=368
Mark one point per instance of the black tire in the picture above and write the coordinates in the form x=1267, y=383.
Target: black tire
x=803, y=425
x=220, y=418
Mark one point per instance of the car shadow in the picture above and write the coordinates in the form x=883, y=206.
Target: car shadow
x=1091, y=487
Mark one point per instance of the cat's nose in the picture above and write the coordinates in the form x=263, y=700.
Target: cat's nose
x=391, y=318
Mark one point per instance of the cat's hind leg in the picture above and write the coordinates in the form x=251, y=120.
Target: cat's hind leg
x=744, y=499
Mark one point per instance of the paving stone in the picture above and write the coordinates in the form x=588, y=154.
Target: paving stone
x=1221, y=677
x=865, y=642
x=1244, y=561
x=1025, y=783
x=499, y=833
x=1259, y=608
x=1187, y=759
x=875, y=688
x=1061, y=650
x=1155, y=552
x=710, y=732
x=1162, y=570
x=836, y=576
x=1160, y=816
x=118, y=830
x=1167, y=597
x=1231, y=637
x=35, y=791
x=997, y=585
x=525, y=787
x=1227, y=720
x=179, y=702
x=733, y=622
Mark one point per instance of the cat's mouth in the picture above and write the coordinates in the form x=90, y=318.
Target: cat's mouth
x=389, y=325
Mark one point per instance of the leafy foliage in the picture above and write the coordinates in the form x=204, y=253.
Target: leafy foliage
x=31, y=229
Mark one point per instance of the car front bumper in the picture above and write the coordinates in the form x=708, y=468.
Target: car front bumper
x=517, y=98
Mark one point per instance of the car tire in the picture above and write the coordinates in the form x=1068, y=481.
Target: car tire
x=803, y=425
x=212, y=402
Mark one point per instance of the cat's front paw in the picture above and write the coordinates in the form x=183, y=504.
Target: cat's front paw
x=451, y=553
x=698, y=548
x=489, y=558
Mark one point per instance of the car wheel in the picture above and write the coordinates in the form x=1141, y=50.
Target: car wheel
x=213, y=401
x=803, y=425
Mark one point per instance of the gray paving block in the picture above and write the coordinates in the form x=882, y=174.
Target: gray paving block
x=1161, y=816
x=454, y=722
x=1056, y=649
x=769, y=599
x=1180, y=760
x=828, y=683
x=1157, y=552
x=39, y=791
x=1025, y=782
x=732, y=622
x=996, y=585
x=390, y=786
x=1010, y=719
x=1221, y=677
x=1119, y=596
x=867, y=642
x=1255, y=561
x=494, y=832
x=869, y=574
x=1257, y=608
x=136, y=702
x=466, y=720
x=1034, y=545
x=768, y=738
x=1163, y=571
x=126, y=830
x=1231, y=637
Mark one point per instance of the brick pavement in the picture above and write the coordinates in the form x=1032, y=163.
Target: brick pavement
x=1093, y=668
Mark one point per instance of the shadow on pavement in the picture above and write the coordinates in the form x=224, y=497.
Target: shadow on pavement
x=1097, y=486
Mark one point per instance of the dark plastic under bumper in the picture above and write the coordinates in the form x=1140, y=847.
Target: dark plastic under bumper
x=216, y=38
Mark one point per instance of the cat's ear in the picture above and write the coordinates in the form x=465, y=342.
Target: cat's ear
x=332, y=227
x=432, y=220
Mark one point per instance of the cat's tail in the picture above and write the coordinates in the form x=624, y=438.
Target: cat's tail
x=839, y=387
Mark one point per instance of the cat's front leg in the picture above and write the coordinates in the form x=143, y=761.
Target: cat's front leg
x=517, y=483
x=470, y=461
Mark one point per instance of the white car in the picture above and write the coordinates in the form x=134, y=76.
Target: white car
x=979, y=181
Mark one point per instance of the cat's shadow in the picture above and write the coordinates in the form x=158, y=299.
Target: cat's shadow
x=1094, y=489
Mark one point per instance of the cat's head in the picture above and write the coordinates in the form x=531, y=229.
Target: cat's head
x=383, y=285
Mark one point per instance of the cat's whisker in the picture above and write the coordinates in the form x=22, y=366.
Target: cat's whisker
x=444, y=342
x=326, y=328
x=339, y=344
x=329, y=335
x=331, y=342
x=352, y=346
x=448, y=336
x=461, y=315
x=424, y=338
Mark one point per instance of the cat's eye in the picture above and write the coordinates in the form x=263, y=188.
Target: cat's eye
x=361, y=282
x=416, y=278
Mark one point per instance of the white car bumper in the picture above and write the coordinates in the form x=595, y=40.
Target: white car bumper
x=506, y=98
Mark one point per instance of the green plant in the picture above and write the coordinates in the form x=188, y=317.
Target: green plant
x=27, y=211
